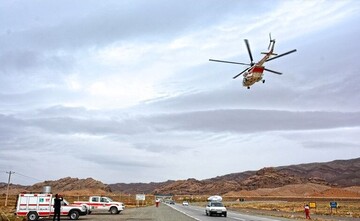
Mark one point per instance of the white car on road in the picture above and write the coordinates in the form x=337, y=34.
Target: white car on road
x=215, y=208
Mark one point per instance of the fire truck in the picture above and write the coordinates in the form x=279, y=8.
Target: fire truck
x=34, y=206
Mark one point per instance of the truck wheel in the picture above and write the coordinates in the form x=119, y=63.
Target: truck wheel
x=32, y=216
x=113, y=210
x=74, y=215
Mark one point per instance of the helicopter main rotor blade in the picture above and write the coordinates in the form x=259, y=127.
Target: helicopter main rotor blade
x=286, y=53
x=275, y=72
x=249, y=51
x=241, y=73
x=230, y=62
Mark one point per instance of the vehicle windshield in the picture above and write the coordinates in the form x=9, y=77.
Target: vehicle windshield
x=110, y=200
x=217, y=204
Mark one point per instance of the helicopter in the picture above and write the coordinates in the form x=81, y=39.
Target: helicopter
x=254, y=73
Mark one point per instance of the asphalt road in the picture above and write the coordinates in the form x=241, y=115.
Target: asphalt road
x=198, y=213
x=166, y=212
x=179, y=212
x=150, y=213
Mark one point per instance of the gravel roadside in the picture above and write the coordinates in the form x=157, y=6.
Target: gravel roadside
x=297, y=216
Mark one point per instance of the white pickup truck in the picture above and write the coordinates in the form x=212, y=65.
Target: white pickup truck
x=100, y=204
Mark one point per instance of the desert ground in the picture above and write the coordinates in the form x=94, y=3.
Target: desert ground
x=281, y=206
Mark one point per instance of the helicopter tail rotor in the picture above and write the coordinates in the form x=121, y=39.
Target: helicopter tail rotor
x=271, y=41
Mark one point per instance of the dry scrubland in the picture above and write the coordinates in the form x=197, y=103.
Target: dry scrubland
x=291, y=207
x=295, y=209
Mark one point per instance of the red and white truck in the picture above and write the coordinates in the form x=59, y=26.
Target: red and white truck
x=34, y=206
x=101, y=203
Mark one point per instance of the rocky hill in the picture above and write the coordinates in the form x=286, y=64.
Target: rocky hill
x=299, y=190
x=342, y=173
x=145, y=188
x=264, y=178
x=64, y=186
x=339, y=173
x=13, y=190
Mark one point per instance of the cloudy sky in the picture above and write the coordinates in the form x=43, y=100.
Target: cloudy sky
x=123, y=91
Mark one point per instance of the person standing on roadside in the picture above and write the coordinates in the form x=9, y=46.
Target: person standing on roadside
x=57, y=207
x=307, y=211
x=157, y=202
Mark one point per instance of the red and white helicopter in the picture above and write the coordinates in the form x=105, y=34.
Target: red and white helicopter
x=254, y=73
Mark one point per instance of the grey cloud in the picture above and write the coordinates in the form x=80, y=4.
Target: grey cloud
x=329, y=145
x=329, y=96
x=22, y=61
x=10, y=126
x=60, y=111
x=160, y=147
x=19, y=59
x=238, y=121
x=68, y=120
x=249, y=121
x=106, y=23
x=110, y=160
x=52, y=45
x=69, y=125
x=37, y=98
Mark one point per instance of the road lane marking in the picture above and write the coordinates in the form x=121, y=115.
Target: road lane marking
x=237, y=218
x=184, y=213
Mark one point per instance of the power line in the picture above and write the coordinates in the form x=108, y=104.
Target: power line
x=8, y=184
x=17, y=173
x=27, y=176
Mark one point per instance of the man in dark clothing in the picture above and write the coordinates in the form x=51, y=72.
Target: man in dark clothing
x=57, y=206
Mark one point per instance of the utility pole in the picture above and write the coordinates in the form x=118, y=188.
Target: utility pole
x=8, y=185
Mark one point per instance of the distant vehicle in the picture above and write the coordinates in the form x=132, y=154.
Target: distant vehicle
x=254, y=73
x=34, y=206
x=215, y=207
x=185, y=203
x=100, y=204
x=172, y=202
